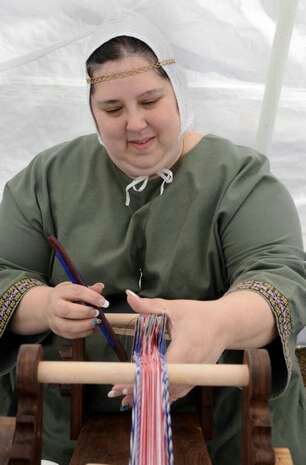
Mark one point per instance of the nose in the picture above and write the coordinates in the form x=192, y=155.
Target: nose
x=136, y=121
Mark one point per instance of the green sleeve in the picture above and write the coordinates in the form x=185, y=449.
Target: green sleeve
x=24, y=253
x=263, y=248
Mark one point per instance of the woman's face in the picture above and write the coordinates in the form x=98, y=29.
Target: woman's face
x=137, y=118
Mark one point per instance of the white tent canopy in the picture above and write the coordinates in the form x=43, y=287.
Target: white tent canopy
x=224, y=46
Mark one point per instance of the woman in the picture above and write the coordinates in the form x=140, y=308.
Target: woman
x=195, y=225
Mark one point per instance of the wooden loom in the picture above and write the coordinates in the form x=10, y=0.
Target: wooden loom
x=20, y=437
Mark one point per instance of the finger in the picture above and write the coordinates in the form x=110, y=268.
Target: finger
x=79, y=293
x=80, y=335
x=71, y=336
x=64, y=283
x=178, y=391
x=74, y=311
x=145, y=305
x=72, y=329
x=127, y=402
x=97, y=287
x=124, y=388
x=120, y=390
x=113, y=394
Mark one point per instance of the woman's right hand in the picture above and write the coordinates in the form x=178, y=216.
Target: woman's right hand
x=66, y=309
x=70, y=311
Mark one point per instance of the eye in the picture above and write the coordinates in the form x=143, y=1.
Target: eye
x=113, y=110
x=148, y=103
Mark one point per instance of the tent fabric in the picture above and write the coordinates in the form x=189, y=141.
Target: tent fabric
x=224, y=48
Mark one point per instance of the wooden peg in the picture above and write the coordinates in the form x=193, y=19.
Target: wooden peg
x=256, y=418
x=26, y=448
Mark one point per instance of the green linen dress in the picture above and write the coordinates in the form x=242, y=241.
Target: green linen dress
x=224, y=223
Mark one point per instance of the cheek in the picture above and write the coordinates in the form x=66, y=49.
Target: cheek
x=168, y=121
x=109, y=128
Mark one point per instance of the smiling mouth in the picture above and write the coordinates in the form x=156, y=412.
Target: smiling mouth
x=142, y=143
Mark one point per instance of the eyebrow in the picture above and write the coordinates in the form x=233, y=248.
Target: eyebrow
x=148, y=93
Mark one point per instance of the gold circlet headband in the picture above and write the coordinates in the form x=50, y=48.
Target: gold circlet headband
x=131, y=72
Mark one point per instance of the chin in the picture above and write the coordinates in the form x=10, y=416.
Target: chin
x=137, y=171
x=143, y=167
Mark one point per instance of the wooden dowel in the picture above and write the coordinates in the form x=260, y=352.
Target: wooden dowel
x=124, y=323
x=122, y=320
x=124, y=373
x=283, y=457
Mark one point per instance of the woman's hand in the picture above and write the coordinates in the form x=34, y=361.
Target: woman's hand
x=67, y=309
x=197, y=334
x=70, y=311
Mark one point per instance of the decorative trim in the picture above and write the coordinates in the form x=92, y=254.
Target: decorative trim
x=130, y=72
x=11, y=298
x=279, y=305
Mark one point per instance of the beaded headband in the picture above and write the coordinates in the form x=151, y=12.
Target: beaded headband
x=131, y=72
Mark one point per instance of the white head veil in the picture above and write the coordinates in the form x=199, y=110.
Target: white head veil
x=132, y=24
x=124, y=22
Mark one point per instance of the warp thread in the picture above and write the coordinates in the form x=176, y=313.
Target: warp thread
x=151, y=433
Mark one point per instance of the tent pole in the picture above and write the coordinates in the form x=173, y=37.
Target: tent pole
x=276, y=72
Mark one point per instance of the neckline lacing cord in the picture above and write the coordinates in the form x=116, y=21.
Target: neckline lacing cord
x=165, y=174
x=133, y=185
x=167, y=177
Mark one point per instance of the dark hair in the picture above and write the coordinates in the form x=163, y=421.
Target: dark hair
x=120, y=47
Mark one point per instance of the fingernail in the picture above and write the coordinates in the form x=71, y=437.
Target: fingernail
x=125, y=391
x=124, y=408
x=113, y=394
x=97, y=313
x=96, y=321
x=103, y=303
x=129, y=292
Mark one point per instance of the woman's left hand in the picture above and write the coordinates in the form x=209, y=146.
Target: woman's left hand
x=197, y=335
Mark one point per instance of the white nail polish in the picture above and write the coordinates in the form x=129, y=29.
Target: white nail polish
x=97, y=313
x=112, y=394
x=129, y=292
x=105, y=304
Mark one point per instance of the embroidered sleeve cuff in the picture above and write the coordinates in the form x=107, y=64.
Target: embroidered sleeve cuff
x=279, y=305
x=10, y=299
